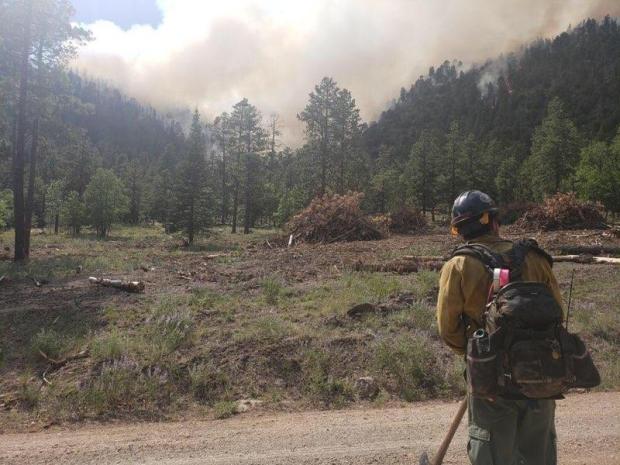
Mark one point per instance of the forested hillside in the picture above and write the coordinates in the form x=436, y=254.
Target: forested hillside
x=537, y=121
x=481, y=125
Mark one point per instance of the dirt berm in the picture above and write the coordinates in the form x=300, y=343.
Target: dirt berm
x=588, y=430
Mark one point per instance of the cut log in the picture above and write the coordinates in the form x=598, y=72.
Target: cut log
x=588, y=259
x=596, y=250
x=424, y=258
x=129, y=286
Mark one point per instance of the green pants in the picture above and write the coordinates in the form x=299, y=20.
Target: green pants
x=511, y=432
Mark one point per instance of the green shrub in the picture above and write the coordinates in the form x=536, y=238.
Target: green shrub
x=29, y=395
x=207, y=383
x=272, y=290
x=48, y=342
x=108, y=347
x=225, y=409
x=608, y=363
x=6, y=208
x=321, y=384
x=169, y=327
x=123, y=387
x=412, y=367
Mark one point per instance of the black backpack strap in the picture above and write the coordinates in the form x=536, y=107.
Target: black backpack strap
x=533, y=245
x=513, y=259
x=481, y=252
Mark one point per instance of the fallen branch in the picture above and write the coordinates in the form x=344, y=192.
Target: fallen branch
x=56, y=364
x=44, y=380
x=38, y=282
x=129, y=286
x=213, y=256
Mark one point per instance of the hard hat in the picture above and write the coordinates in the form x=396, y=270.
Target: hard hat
x=471, y=210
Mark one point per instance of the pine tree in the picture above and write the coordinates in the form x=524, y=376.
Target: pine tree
x=250, y=140
x=386, y=183
x=73, y=213
x=105, y=201
x=451, y=180
x=191, y=197
x=40, y=38
x=421, y=173
x=55, y=198
x=224, y=139
x=555, y=152
x=598, y=174
x=319, y=117
x=134, y=180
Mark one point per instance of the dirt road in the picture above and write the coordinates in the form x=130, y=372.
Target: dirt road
x=588, y=428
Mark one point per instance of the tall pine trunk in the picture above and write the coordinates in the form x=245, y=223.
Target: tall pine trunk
x=20, y=142
x=33, y=155
x=224, y=188
x=235, y=207
x=247, y=217
x=31, y=179
x=190, y=226
x=323, y=170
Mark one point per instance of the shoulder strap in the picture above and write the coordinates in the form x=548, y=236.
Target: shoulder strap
x=481, y=252
x=533, y=245
x=513, y=259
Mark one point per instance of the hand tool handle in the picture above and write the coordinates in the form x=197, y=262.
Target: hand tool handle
x=441, y=453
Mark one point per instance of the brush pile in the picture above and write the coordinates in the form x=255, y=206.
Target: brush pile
x=334, y=218
x=407, y=220
x=511, y=212
x=562, y=211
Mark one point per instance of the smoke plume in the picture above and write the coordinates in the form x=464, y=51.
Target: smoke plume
x=211, y=54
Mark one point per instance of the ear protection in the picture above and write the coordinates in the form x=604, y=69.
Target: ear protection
x=484, y=219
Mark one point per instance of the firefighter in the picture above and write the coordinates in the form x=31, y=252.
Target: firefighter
x=510, y=430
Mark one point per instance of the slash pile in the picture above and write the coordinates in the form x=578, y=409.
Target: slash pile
x=563, y=211
x=333, y=218
x=407, y=220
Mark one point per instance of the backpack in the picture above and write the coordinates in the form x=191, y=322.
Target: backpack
x=523, y=350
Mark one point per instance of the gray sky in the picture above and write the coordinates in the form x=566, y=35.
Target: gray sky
x=210, y=54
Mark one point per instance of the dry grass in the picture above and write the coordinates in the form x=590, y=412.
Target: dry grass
x=256, y=321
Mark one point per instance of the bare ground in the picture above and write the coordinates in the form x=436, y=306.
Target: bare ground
x=588, y=430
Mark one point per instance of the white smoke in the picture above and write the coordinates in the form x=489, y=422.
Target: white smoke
x=490, y=73
x=209, y=54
